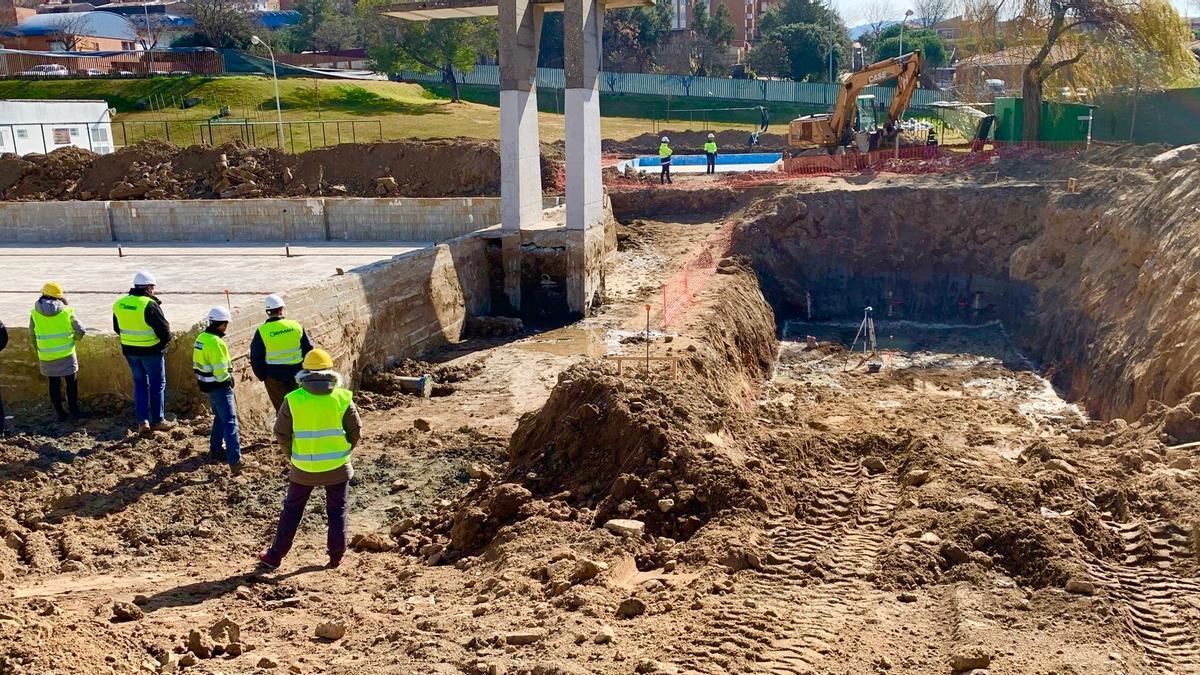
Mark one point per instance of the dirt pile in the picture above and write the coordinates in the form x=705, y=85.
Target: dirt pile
x=659, y=451
x=692, y=142
x=159, y=170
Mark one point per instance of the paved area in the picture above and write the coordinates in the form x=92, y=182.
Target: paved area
x=191, y=277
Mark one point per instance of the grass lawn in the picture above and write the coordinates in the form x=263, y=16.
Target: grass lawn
x=359, y=110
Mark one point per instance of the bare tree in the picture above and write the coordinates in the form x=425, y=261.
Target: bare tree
x=223, y=23
x=69, y=30
x=932, y=12
x=878, y=14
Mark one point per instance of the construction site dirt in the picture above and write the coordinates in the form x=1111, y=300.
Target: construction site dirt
x=1008, y=483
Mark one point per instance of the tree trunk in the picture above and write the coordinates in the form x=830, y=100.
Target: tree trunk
x=1031, y=101
x=453, y=81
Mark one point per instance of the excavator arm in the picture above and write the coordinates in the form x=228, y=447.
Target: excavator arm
x=905, y=69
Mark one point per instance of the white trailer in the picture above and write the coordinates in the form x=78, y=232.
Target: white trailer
x=40, y=126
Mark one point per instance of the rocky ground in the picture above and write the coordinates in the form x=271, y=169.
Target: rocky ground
x=748, y=505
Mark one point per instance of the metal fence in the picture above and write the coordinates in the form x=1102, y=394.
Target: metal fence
x=297, y=135
x=782, y=91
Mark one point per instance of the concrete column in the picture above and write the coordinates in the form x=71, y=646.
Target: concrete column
x=520, y=28
x=583, y=26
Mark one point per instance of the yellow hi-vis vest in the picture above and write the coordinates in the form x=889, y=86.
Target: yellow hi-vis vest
x=210, y=359
x=711, y=147
x=131, y=319
x=55, y=334
x=319, y=441
x=664, y=151
x=281, y=340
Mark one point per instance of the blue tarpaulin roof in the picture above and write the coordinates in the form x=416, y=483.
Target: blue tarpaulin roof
x=90, y=24
x=276, y=18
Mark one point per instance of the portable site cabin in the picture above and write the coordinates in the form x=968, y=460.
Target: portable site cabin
x=29, y=126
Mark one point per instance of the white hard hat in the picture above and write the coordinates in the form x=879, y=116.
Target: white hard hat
x=217, y=314
x=712, y=135
x=274, y=302
x=143, y=279
x=665, y=139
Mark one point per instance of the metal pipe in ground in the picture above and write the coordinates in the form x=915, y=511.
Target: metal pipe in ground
x=421, y=386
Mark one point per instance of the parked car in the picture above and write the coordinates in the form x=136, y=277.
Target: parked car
x=46, y=70
x=123, y=73
x=181, y=73
x=92, y=72
x=159, y=73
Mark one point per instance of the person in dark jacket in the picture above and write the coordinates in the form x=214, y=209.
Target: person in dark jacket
x=277, y=350
x=54, y=331
x=3, y=344
x=139, y=321
x=317, y=427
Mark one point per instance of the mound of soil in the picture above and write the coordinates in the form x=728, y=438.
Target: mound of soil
x=159, y=170
x=692, y=142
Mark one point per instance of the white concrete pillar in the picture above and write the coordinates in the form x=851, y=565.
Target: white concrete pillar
x=520, y=28
x=583, y=28
x=520, y=150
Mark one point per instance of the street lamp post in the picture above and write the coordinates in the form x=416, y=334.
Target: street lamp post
x=907, y=14
x=254, y=39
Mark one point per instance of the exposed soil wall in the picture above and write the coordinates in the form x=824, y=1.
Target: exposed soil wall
x=930, y=254
x=1118, y=270
x=159, y=170
x=1099, y=285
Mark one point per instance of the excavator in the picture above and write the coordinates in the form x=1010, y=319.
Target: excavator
x=835, y=130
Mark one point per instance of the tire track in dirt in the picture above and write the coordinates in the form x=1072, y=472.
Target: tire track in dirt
x=1155, y=602
x=787, y=615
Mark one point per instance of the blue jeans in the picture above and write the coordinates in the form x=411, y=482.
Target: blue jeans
x=149, y=386
x=223, y=443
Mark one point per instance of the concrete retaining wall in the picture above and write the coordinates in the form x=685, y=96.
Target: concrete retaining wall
x=54, y=222
x=369, y=316
x=283, y=220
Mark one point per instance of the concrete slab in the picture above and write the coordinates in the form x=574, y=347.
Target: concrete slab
x=191, y=277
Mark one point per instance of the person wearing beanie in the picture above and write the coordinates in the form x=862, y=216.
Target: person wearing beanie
x=318, y=427
x=53, y=332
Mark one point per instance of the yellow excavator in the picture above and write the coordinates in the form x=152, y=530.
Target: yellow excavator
x=837, y=129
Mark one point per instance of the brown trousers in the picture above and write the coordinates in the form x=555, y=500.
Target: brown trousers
x=277, y=390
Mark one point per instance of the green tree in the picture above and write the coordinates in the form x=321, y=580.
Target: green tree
x=770, y=57
x=632, y=35
x=808, y=47
x=222, y=23
x=796, y=11
x=931, y=45
x=442, y=46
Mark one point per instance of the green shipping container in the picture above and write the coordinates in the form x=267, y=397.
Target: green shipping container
x=1061, y=122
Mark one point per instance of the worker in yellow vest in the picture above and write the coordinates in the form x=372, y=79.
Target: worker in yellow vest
x=318, y=427
x=276, y=350
x=710, y=153
x=53, y=332
x=664, y=158
x=213, y=368
x=138, y=319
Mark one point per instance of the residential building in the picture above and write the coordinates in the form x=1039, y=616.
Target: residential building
x=43, y=126
x=743, y=14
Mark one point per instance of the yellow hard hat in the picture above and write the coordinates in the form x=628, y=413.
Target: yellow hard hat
x=317, y=359
x=53, y=290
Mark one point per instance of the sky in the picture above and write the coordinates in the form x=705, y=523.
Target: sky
x=855, y=12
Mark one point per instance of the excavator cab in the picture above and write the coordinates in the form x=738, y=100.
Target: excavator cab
x=834, y=130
